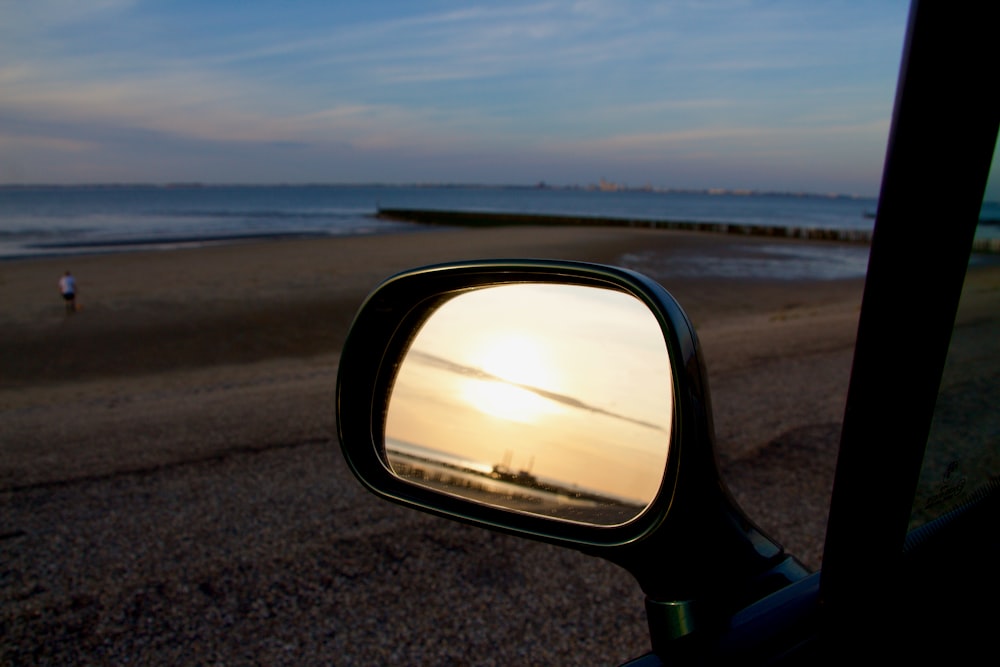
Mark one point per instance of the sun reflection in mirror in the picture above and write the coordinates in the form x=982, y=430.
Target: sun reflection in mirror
x=505, y=401
x=549, y=399
x=511, y=362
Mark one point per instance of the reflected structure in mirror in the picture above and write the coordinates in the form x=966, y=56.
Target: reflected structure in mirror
x=548, y=399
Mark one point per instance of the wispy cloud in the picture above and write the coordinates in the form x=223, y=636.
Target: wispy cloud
x=538, y=83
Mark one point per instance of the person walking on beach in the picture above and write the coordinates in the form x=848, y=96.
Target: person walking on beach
x=67, y=286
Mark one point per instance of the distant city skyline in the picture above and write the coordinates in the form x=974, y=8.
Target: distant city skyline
x=601, y=185
x=734, y=95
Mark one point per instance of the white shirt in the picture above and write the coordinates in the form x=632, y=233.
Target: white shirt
x=67, y=285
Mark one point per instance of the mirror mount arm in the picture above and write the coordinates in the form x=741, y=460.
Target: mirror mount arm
x=694, y=584
x=670, y=621
x=727, y=562
x=680, y=626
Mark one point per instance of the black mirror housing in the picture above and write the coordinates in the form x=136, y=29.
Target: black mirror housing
x=690, y=542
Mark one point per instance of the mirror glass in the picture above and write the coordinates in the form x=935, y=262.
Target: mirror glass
x=547, y=399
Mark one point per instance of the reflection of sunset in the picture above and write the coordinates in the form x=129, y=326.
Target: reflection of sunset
x=517, y=358
x=513, y=359
x=572, y=382
x=505, y=401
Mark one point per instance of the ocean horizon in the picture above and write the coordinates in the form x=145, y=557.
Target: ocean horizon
x=63, y=220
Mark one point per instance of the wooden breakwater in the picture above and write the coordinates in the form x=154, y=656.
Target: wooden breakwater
x=489, y=219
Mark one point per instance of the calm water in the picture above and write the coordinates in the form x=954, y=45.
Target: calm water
x=70, y=220
x=50, y=221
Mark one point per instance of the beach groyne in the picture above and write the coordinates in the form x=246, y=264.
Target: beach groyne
x=494, y=219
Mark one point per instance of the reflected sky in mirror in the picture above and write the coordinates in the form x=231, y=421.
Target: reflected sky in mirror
x=549, y=399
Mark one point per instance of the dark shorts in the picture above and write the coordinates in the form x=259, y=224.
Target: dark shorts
x=69, y=296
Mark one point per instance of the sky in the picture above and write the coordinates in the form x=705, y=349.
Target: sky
x=779, y=96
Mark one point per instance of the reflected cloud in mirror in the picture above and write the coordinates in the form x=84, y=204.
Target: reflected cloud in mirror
x=547, y=399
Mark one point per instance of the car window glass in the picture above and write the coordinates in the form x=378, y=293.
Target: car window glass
x=963, y=449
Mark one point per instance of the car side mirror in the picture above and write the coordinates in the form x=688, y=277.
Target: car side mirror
x=559, y=401
x=543, y=399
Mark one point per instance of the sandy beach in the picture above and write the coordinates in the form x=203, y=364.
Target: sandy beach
x=172, y=490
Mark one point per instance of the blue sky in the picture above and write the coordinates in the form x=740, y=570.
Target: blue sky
x=787, y=96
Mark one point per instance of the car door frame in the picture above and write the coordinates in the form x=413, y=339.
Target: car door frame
x=869, y=597
x=941, y=145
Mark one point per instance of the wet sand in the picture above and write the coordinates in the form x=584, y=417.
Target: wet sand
x=172, y=490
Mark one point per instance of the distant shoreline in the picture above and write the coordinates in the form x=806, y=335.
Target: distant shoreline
x=486, y=219
x=70, y=249
x=605, y=187
x=489, y=219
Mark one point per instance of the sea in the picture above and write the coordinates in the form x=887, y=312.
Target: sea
x=39, y=221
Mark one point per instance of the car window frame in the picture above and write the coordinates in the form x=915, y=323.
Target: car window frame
x=940, y=148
